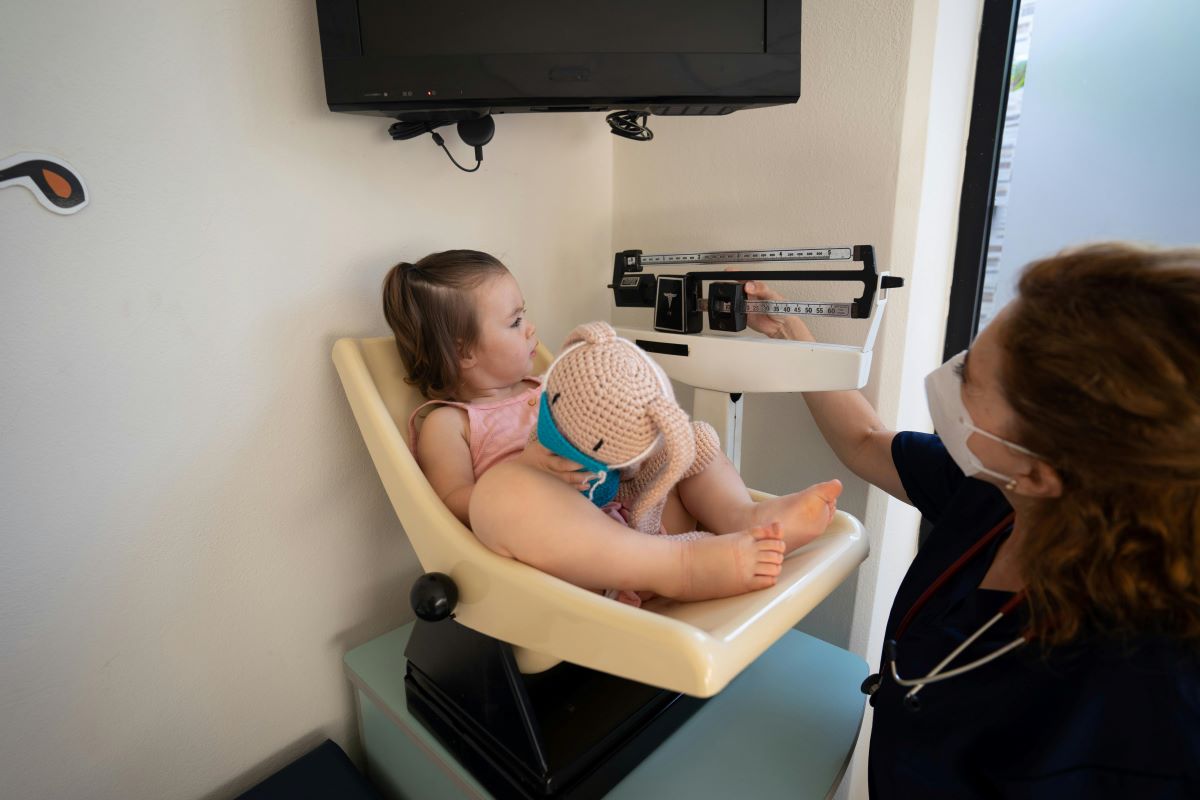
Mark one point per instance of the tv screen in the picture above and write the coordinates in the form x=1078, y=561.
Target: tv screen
x=463, y=59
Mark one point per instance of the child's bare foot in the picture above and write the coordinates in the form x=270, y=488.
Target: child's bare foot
x=721, y=566
x=804, y=515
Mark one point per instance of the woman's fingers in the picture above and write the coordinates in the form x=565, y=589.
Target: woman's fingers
x=761, y=291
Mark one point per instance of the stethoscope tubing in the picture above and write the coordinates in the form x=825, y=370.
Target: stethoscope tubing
x=936, y=674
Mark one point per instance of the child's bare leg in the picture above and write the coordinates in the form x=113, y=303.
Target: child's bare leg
x=675, y=517
x=531, y=516
x=718, y=498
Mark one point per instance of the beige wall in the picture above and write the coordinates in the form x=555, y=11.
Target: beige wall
x=193, y=532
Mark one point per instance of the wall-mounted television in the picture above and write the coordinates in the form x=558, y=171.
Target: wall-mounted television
x=446, y=61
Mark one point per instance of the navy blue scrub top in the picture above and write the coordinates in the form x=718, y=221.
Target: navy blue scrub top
x=1099, y=719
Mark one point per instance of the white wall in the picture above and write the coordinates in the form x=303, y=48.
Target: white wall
x=193, y=532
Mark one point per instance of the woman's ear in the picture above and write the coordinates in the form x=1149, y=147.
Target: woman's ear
x=1040, y=480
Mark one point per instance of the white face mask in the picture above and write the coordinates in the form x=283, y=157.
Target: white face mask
x=954, y=425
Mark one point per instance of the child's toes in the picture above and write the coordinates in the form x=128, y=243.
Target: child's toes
x=770, y=556
x=767, y=568
x=762, y=582
x=776, y=546
x=830, y=490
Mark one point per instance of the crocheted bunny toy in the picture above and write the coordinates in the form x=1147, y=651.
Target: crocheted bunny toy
x=610, y=407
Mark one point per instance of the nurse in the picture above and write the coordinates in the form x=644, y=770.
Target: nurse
x=1058, y=594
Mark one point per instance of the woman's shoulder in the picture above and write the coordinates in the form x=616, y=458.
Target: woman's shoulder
x=929, y=475
x=1153, y=656
x=1157, y=673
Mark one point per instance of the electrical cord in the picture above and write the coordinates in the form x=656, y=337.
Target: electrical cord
x=410, y=130
x=440, y=142
x=630, y=125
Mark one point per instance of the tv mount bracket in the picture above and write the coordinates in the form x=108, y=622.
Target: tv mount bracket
x=680, y=308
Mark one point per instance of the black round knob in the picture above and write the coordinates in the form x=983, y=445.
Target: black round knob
x=434, y=596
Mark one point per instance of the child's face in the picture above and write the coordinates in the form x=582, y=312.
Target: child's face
x=504, y=352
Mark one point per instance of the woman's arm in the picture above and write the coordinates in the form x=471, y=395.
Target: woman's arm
x=847, y=421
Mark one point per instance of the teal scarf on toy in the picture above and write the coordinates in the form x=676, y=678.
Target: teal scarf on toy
x=601, y=489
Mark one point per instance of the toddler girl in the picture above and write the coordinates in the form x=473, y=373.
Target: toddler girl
x=467, y=344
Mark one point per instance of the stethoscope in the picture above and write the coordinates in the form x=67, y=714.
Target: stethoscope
x=911, y=702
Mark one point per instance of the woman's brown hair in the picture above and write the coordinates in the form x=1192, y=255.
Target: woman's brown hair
x=1102, y=366
x=428, y=306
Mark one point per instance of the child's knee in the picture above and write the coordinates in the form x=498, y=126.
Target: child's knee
x=675, y=516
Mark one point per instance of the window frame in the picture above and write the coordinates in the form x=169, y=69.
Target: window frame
x=993, y=67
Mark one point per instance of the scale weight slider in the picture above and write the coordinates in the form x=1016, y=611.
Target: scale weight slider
x=727, y=306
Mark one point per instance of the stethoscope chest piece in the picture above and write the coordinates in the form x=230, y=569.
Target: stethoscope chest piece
x=871, y=684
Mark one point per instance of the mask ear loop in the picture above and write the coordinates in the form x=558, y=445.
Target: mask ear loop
x=1011, y=483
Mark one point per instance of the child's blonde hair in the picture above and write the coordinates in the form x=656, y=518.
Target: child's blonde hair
x=428, y=307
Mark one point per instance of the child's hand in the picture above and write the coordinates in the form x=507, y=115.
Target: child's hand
x=564, y=469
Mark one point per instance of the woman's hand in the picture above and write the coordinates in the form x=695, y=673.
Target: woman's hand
x=777, y=327
x=566, y=470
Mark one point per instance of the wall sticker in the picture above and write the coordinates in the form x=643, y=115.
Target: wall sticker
x=54, y=182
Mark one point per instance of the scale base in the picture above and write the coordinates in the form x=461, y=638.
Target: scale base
x=568, y=732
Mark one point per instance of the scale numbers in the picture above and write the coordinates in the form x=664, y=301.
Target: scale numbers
x=798, y=309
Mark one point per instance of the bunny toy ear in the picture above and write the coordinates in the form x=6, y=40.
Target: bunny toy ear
x=676, y=428
x=591, y=333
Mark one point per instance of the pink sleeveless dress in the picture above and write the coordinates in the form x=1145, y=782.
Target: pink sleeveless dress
x=496, y=431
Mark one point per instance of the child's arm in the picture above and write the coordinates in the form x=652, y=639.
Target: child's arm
x=444, y=455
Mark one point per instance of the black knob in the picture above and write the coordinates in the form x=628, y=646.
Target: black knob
x=434, y=596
